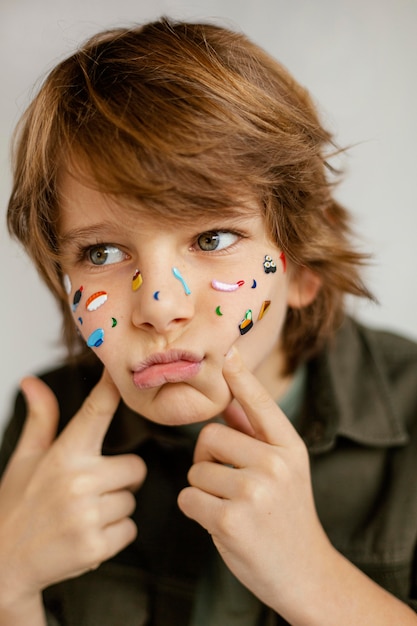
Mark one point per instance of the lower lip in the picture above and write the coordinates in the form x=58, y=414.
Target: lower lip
x=162, y=373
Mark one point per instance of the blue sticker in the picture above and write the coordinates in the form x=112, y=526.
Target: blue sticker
x=177, y=274
x=96, y=338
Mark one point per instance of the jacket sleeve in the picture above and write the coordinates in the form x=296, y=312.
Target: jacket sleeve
x=12, y=432
x=52, y=621
x=114, y=593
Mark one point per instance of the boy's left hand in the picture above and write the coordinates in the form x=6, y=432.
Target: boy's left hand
x=252, y=493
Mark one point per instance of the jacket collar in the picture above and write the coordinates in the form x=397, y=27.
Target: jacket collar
x=349, y=394
x=129, y=430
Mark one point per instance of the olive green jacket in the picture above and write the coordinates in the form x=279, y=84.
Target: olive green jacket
x=359, y=421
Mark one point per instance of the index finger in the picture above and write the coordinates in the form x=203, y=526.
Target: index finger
x=87, y=429
x=269, y=423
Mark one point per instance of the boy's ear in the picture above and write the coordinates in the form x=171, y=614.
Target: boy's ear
x=303, y=289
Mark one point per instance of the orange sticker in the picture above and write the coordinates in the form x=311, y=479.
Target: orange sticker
x=96, y=300
x=265, y=306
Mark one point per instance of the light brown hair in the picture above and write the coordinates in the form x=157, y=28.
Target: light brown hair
x=187, y=118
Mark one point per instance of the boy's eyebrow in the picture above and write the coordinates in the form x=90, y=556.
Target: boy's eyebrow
x=85, y=232
x=107, y=230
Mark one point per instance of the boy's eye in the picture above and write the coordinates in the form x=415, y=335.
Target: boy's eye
x=105, y=255
x=216, y=240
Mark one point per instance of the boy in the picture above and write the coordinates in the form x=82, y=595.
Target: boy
x=170, y=185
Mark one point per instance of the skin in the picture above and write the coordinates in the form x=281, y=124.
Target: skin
x=250, y=483
x=175, y=321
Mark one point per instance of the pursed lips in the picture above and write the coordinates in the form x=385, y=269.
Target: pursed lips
x=173, y=366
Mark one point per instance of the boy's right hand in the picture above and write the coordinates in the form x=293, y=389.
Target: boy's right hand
x=64, y=508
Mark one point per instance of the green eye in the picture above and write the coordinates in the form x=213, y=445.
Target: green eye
x=105, y=255
x=216, y=240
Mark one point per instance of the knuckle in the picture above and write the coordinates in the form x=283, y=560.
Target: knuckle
x=90, y=407
x=89, y=517
x=255, y=492
x=130, y=503
x=300, y=455
x=93, y=548
x=126, y=533
x=249, y=490
x=80, y=519
x=228, y=522
x=137, y=467
x=130, y=532
x=84, y=538
x=210, y=433
x=261, y=399
x=79, y=485
x=273, y=464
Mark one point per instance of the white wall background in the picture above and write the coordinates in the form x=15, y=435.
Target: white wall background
x=358, y=58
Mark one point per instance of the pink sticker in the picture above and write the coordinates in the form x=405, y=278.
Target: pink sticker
x=219, y=286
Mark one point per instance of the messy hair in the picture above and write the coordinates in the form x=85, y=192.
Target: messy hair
x=187, y=119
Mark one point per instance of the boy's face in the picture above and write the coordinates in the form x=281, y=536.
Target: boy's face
x=161, y=306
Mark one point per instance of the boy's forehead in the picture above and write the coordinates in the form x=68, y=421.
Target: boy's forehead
x=82, y=203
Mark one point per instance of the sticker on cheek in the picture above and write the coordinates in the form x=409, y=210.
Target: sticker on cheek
x=254, y=284
x=218, y=312
x=137, y=280
x=113, y=322
x=96, y=338
x=178, y=275
x=247, y=323
x=269, y=265
x=283, y=261
x=77, y=297
x=219, y=286
x=265, y=306
x=66, y=281
x=95, y=301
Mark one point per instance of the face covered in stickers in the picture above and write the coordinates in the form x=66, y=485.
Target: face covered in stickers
x=162, y=306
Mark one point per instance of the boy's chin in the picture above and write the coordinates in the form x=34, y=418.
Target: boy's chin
x=176, y=404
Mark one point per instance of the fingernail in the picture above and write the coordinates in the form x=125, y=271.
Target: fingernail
x=23, y=389
x=232, y=358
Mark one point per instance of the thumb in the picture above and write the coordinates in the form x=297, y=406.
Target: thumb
x=42, y=417
x=86, y=431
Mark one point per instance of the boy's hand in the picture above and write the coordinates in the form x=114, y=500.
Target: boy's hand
x=64, y=508
x=251, y=490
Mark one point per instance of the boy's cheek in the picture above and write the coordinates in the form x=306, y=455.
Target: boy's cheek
x=93, y=314
x=229, y=311
x=242, y=309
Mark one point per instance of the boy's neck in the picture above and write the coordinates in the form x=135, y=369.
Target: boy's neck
x=269, y=374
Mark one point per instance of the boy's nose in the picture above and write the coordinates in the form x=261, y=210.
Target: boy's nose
x=161, y=300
